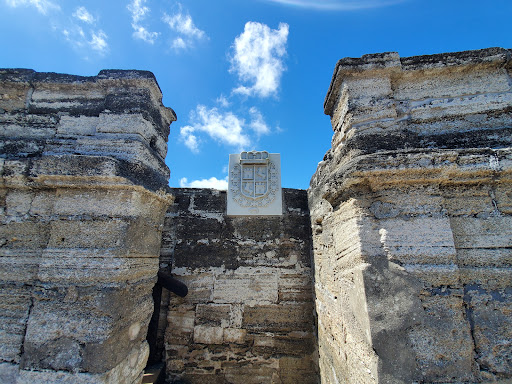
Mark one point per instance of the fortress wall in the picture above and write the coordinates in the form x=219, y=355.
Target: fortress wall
x=412, y=221
x=249, y=314
x=81, y=177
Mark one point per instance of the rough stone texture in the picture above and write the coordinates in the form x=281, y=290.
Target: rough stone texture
x=82, y=191
x=412, y=221
x=249, y=314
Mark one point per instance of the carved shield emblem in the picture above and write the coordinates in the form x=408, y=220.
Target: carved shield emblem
x=254, y=182
x=254, y=175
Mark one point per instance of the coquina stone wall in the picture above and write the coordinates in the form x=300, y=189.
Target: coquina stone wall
x=81, y=213
x=408, y=217
x=411, y=213
x=249, y=314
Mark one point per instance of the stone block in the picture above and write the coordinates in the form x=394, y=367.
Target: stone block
x=28, y=235
x=418, y=240
x=493, y=232
x=18, y=203
x=18, y=265
x=213, y=315
x=443, y=343
x=15, y=304
x=246, y=288
x=253, y=374
x=235, y=335
x=450, y=83
x=181, y=321
x=96, y=234
x=200, y=287
x=132, y=124
x=77, y=126
x=89, y=266
x=295, y=287
x=488, y=313
x=208, y=335
x=278, y=318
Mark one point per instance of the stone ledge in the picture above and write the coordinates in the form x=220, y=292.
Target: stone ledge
x=392, y=63
x=112, y=90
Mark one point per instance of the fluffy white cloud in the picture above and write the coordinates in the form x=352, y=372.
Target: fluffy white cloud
x=139, y=12
x=43, y=6
x=98, y=42
x=212, y=182
x=83, y=14
x=258, y=124
x=340, y=5
x=142, y=33
x=178, y=44
x=258, y=58
x=182, y=23
x=223, y=127
x=188, y=137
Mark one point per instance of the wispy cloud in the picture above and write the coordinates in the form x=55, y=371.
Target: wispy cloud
x=339, y=5
x=181, y=23
x=83, y=14
x=258, y=124
x=98, y=42
x=258, y=58
x=178, y=44
x=212, y=182
x=223, y=101
x=223, y=127
x=43, y=6
x=139, y=12
x=83, y=33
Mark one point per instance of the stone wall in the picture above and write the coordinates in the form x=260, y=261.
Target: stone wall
x=249, y=314
x=409, y=217
x=81, y=213
x=411, y=212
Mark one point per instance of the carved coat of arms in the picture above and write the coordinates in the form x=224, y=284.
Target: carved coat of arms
x=254, y=180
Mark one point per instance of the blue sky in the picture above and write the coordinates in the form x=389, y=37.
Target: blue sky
x=240, y=74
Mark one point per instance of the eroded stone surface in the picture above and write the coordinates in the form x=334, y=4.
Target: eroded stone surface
x=249, y=314
x=81, y=169
x=411, y=221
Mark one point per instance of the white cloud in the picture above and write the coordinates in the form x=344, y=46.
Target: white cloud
x=43, y=6
x=98, y=42
x=80, y=40
x=142, y=33
x=257, y=58
x=223, y=127
x=340, y=5
x=178, y=43
x=139, y=12
x=223, y=101
x=188, y=137
x=258, y=124
x=182, y=23
x=212, y=182
x=83, y=14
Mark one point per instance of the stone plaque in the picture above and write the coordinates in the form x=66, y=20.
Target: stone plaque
x=255, y=184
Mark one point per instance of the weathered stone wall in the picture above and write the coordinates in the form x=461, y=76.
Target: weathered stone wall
x=411, y=214
x=81, y=165
x=249, y=314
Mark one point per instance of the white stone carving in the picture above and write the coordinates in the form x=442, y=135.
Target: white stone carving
x=255, y=184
